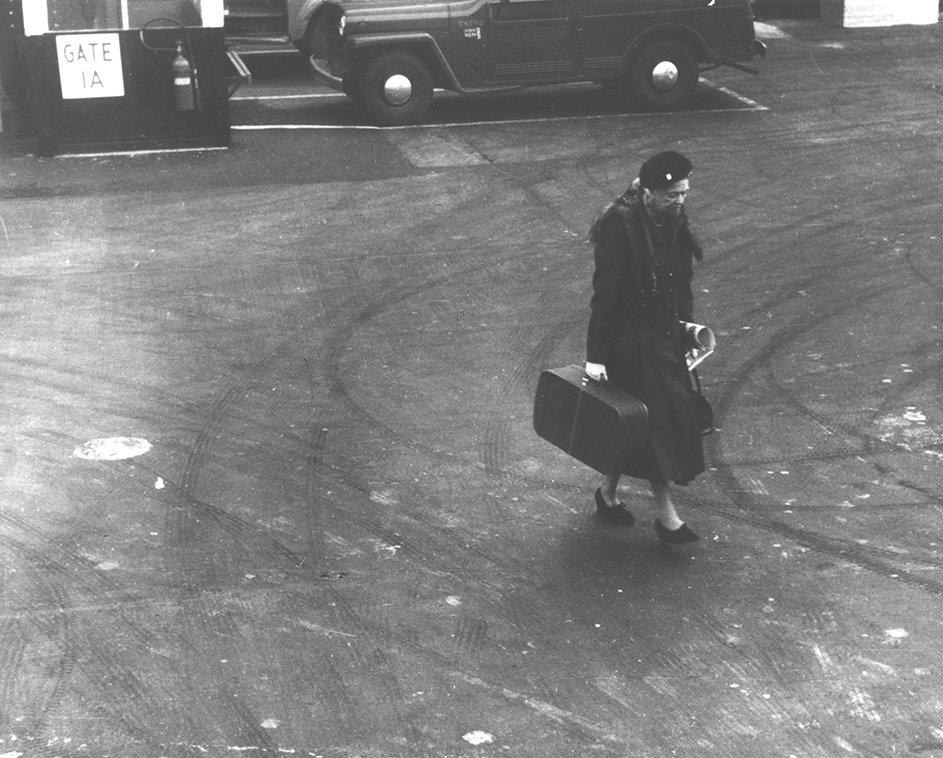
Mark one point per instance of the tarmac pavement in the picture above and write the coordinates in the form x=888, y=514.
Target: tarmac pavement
x=336, y=534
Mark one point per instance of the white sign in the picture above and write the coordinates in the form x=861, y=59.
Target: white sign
x=90, y=66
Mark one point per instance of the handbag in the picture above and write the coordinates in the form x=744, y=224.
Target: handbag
x=705, y=414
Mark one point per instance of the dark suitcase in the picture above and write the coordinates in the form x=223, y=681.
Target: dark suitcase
x=595, y=422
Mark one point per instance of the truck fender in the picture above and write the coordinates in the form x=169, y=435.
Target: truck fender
x=668, y=32
x=421, y=43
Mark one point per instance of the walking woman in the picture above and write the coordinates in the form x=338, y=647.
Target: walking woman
x=644, y=253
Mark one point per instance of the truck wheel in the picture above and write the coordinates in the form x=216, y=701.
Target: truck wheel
x=663, y=75
x=396, y=89
x=312, y=43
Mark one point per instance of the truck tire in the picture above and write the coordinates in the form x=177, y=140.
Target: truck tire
x=663, y=76
x=396, y=89
x=312, y=43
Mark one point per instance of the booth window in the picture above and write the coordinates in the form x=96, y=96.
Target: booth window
x=42, y=16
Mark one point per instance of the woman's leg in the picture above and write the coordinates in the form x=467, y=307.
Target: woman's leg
x=609, y=487
x=608, y=506
x=666, y=507
x=669, y=528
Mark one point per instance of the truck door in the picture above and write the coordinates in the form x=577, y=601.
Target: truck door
x=532, y=40
x=608, y=27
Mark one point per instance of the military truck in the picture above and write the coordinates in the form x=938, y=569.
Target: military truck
x=390, y=55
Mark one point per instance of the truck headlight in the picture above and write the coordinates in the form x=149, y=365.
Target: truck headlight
x=341, y=24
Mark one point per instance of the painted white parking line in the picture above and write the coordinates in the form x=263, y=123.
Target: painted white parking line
x=310, y=127
x=135, y=153
x=304, y=96
x=750, y=105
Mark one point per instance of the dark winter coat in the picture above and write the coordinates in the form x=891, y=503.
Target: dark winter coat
x=641, y=293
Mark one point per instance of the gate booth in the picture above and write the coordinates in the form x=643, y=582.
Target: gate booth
x=125, y=74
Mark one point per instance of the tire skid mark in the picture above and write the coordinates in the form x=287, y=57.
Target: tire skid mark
x=471, y=632
x=217, y=412
x=50, y=554
x=863, y=556
x=314, y=524
x=334, y=345
x=58, y=627
x=107, y=384
x=341, y=702
x=376, y=523
x=840, y=433
x=583, y=729
x=760, y=360
x=421, y=546
x=496, y=438
x=179, y=503
x=866, y=557
x=251, y=731
x=370, y=659
x=183, y=502
x=211, y=639
x=120, y=688
x=918, y=272
x=522, y=374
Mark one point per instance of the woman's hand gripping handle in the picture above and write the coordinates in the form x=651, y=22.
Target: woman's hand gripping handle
x=596, y=372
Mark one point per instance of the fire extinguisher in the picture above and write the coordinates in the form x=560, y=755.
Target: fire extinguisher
x=184, y=81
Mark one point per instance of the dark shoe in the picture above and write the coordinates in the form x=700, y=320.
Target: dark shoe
x=614, y=514
x=680, y=536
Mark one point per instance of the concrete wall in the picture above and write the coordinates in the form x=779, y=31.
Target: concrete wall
x=864, y=13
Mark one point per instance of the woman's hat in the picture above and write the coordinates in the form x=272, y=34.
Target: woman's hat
x=661, y=171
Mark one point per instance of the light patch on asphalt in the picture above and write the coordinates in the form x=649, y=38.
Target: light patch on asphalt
x=379, y=546
x=758, y=487
x=824, y=659
x=768, y=31
x=882, y=667
x=542, y=707
x=323, y=630
x=425, y=150
x=862, y=705
x=909, y=431
x=383, y=498
x=112, y=448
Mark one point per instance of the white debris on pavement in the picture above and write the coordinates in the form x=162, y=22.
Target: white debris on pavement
x=478, y=738
x=112, y=448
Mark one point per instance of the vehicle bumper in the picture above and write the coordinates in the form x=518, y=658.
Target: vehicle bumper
x=322, y=72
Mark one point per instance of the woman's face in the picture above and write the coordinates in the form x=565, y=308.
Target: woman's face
x=669, y=200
